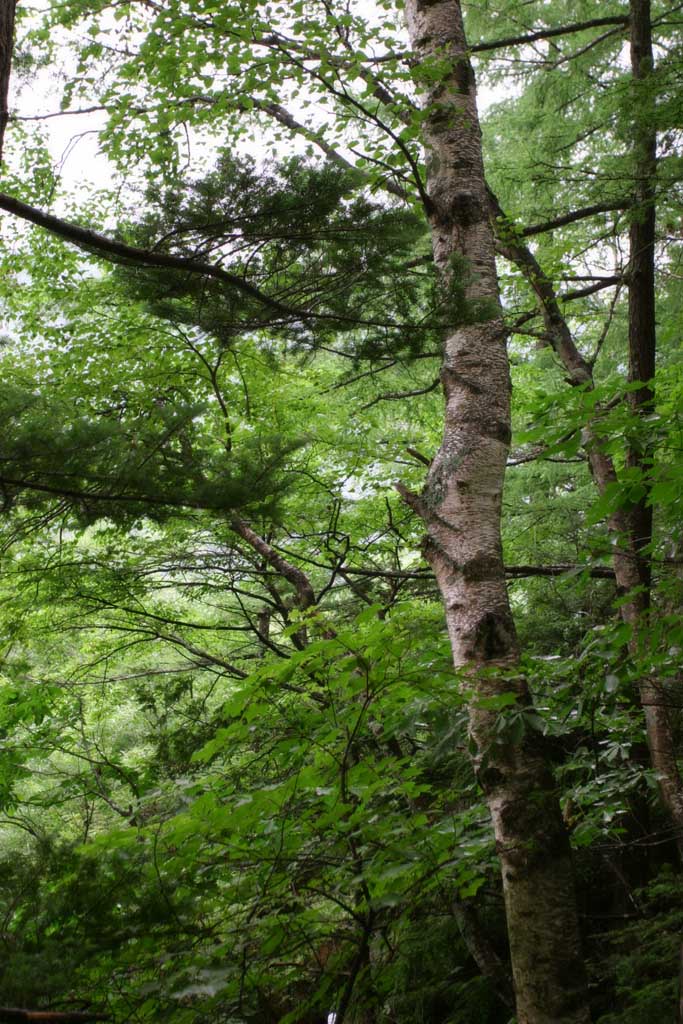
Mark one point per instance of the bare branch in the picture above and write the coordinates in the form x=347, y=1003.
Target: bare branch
x=390, y=396
x=419, y=456
x=290, y=572
x=600, y=572
x=512, y=571
x=548, y=33
x=97, y=109
x=574, y=215
x=50, y=1016
x=580, y=293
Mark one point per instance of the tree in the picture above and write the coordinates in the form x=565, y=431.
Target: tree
x=461, y=509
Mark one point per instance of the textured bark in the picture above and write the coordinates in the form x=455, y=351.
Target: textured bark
x=7, y=9
x=461, y=509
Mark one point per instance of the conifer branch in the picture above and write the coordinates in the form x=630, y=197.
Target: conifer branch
x=111, y=248
x=116, y=251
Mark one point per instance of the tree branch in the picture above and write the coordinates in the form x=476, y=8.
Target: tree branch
x=293, y=575
x=581, y=293
x=548, y=33
x=601, y=572
x=390, y=396
x=86, y=496
x=114, y=250
x=514, y=249
x=580, y=214
x=50, y=1016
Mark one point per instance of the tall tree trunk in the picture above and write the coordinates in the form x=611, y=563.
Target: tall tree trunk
x=461, y=509
x=642, y=342
x=642, y=331
x=7, y=9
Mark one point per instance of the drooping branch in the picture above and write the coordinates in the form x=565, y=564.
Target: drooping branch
x=111, y=248
x=116, y=251
x=84, y=495
x=197, y=652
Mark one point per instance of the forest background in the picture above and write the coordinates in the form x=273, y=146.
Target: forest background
x=302, y=713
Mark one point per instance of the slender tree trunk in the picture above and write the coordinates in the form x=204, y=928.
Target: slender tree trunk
x=7, y=9
x=642, y=331
x=679, y=1001
x=642, y=341
x=461, y=509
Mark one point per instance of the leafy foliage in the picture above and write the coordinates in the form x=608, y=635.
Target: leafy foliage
x=235, y=780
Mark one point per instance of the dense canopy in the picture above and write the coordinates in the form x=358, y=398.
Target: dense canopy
x=341, y=505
